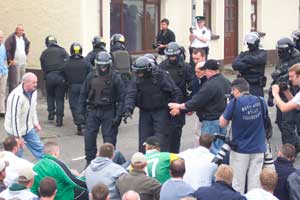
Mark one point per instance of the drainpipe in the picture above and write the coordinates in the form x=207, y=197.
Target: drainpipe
x=193, y=21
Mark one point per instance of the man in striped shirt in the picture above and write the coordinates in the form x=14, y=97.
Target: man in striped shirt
x=21, y=117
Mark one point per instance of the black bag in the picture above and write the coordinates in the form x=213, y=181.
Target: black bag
x=267, y=121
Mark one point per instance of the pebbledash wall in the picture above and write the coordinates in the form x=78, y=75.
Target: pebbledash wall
x=79, y=20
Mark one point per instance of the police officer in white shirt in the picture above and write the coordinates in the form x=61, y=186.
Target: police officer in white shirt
x=200, y=36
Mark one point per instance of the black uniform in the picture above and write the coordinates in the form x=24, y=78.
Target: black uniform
x=182, y=75
x=76, y=70
x=152, y=95
x=52, y=63
x=90, y=57
x=287, y=121
x=101, y=98
x=251, y=66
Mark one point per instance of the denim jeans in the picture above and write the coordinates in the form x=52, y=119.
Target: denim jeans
x=213, y=128
x=33, y=142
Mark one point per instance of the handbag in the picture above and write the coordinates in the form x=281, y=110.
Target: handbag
x=267, y=121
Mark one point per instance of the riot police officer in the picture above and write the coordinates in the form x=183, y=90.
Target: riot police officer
x=288, y=56
x=102, y=99
x=52, y=63
x=182, y=75
x=251, y=64
x=98, y=46
x=76, y=70
x=296, y=39
x=151, y=89
x=120, y=56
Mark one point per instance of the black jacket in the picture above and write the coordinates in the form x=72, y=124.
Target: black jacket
x=294, y=185
x=164, y=38
x=76, y=69
x=218, y=191
x=118, y=89
x=166, y=83
x=210, y=100
x=251, y=64
x=11, y=45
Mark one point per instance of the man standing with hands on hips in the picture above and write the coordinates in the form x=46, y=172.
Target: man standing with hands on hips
x=199, y=37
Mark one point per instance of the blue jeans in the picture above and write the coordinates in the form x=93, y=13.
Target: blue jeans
x=34, y=144
x=213, y=128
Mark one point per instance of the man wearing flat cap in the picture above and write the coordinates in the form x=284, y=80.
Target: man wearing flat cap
x=200, y=37
x=210, y=100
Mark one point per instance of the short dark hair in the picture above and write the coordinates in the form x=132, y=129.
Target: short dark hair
x=100, y=192
x=199, y=50
x=240, y=84
x=206, y=140
x=165, y=20
x=177, y=168
x=288, y=151
x=47, y=187
x=9, y=143
x=106, y=150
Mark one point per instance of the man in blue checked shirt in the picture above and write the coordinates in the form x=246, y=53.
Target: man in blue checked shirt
x=3, y=75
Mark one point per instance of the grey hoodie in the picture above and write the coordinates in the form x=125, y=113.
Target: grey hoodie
x=106, y=171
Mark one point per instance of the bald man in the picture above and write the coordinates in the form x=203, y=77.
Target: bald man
x=131, y=195
x=17, y=49
x=21, y=118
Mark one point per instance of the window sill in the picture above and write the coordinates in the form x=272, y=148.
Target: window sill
x=215, y=37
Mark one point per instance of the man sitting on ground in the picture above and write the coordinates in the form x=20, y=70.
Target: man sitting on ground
x=21, y=190
x=103, y=169
x=47, y=189
x=199, y=168
x=268, y=181
x=100, y=192
x=131, y=195
x=175, y=188
x=3, y=166
x=11, y=148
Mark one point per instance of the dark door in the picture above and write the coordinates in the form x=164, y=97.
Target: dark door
x=231, y=30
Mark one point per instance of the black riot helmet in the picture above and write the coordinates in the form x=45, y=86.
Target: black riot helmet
x=115, y=38
x=142, y=67
x=98, y=42
x=75, y=49
x=103, y=61
x=151, y=57
x=296, y=38
x=285, y=47
x=252, y=40
x=173, y=50
x=50, y=40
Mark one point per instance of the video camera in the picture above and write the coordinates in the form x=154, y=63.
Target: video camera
x=282, y=80
x=155, y=45
x=226, y=147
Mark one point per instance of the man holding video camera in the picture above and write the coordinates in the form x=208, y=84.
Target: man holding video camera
x=247, y=144
x=163, y=38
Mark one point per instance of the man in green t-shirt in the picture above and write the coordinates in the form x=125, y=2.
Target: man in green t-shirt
x=158, y=165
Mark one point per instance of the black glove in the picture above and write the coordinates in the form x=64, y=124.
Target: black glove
x=270, y=102
x=116, y=121
x=126, y=116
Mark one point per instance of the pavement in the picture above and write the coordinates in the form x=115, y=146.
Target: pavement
x=72, y=145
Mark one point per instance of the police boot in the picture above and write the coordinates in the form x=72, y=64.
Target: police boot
x=79, y=130
x=59, y=121
x=51, y=116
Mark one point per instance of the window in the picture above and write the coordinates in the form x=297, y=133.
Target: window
x=207, y=12
x=137, y=20
x=253, y=15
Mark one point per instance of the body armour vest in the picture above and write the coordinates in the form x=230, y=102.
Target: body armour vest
x=121, y=63
x=54, y=59
x=76, y=70
x=101, y=92
x=149, y=95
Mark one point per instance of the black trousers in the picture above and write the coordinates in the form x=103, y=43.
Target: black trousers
x=95, y=119
x=74, y=93
x=155, y=122
x=176, y=125
x=256, y=90
x=55, y=89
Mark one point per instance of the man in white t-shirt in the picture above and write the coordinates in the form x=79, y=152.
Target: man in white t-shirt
x=294, y=101
x=200, y=37
x=268, y=180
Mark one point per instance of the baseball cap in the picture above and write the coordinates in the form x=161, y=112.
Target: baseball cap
x=153, y=141
x=211, y=64
x=26, y=174
x=3, y=165
x=200, y=18
x=138, y=157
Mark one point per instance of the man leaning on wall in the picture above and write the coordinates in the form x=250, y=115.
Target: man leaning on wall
x=17, y=49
